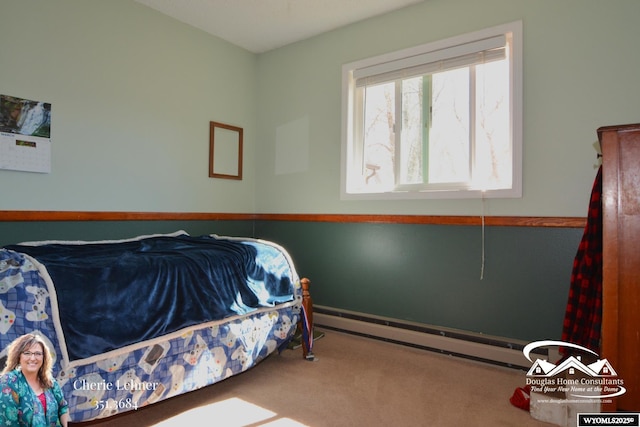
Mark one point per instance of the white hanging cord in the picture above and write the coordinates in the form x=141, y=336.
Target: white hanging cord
x=482, y=257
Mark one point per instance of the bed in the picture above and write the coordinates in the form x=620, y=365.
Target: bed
x=136, y=321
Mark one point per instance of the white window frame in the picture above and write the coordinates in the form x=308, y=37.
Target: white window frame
x=351, y=151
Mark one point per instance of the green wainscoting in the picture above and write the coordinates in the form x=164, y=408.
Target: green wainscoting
x=425, y=273
x=431, y=273
x=20, y=231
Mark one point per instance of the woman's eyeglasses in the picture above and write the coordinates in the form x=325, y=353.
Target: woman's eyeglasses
x=32, y=353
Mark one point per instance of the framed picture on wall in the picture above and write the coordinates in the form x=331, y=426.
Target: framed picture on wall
x=225, y=151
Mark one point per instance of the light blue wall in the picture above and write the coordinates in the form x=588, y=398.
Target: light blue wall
x=580, y=72
x=132, y=94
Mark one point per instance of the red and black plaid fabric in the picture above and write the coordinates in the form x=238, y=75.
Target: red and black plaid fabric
x=583, y=316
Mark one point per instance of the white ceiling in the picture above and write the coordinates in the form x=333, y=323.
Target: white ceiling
x=262, y=25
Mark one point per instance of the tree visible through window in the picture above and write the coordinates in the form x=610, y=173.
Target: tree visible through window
x=437, y=119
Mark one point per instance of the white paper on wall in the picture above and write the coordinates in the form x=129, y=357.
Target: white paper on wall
x=292, y=147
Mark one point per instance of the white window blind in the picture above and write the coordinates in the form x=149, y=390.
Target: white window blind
x=463, y=55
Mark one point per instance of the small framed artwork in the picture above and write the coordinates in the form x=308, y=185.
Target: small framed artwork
x=225, y=151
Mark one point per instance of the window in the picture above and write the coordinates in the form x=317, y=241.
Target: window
x=439, y=120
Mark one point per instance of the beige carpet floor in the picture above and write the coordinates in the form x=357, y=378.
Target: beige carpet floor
x=356, y=381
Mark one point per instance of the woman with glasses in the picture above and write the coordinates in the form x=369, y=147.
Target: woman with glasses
x=29, y=395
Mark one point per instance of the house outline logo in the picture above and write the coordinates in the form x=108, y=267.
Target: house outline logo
x=600, y=375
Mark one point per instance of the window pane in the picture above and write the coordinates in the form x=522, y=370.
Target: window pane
x=379, y=136
x=449, y=134
x=493, y=145
x=442, y=120
x=411, y=137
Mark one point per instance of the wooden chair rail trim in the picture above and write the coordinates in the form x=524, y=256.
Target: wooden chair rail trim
x=503, y=221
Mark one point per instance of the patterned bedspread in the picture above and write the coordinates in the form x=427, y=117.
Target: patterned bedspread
x=174, y=352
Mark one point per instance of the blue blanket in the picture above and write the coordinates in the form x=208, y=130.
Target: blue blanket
x=115, y=294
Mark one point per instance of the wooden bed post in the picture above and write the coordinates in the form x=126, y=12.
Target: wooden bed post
x=306, y=319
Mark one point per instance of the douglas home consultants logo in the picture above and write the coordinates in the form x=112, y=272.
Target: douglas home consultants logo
x=597, y=380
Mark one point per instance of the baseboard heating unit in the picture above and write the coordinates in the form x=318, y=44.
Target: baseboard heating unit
x=490, y=349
